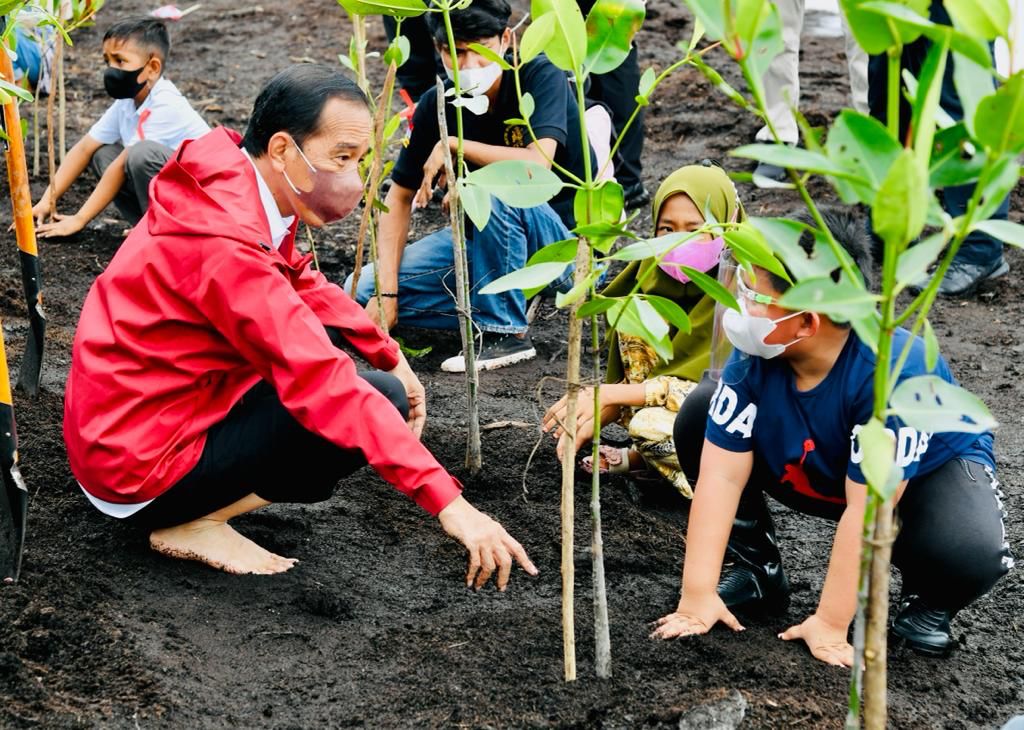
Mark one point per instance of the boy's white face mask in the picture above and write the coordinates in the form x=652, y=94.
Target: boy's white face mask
x=476, y=81
x=747, y=332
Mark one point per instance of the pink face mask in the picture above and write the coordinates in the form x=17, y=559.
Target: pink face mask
x=334, y=194
x=699, y=255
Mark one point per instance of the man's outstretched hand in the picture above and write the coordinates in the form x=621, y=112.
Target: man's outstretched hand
x=490, y=546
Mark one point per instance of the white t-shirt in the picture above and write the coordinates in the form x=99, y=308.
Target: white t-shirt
x=165, y=117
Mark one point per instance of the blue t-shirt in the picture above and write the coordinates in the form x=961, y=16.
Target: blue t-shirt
x=807, y=439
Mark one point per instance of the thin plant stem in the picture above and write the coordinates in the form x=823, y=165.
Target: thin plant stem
x=312, y=248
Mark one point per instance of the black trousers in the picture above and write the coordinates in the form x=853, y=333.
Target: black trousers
x=418, y=74
x=260, y=448
x=951, y=547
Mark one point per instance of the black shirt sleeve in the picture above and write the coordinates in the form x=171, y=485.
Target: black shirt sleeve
x=549, y=87
x=408, y=170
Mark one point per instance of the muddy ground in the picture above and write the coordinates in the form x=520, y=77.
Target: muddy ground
x=373, y=627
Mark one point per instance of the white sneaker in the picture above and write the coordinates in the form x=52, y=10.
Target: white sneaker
x=498, y=351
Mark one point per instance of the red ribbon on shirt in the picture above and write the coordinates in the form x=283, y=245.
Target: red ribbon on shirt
x=142, y=120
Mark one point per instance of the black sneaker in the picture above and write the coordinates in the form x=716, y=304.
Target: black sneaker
x=635, y=196
x=923, y=628
x=963, y=279
x=498, y=351
x=746, y=588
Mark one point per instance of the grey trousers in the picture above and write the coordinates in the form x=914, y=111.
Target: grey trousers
x=782, y=79
x=145, y=159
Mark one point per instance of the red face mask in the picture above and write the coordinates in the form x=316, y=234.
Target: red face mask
x=334, y=194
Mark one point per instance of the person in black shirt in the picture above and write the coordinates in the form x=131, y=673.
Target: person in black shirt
x=417, y=281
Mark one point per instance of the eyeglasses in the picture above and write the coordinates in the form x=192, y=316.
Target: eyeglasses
x=749, y=294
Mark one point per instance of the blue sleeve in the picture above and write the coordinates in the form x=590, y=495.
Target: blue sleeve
x=733, y=409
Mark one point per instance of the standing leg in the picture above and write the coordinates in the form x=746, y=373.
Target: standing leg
x=782, y=79
x=951, y=549
x=857, y=64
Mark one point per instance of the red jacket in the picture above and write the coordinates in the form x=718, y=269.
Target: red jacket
x=196, y=308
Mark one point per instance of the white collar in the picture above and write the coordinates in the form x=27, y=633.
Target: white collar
x=279, y=225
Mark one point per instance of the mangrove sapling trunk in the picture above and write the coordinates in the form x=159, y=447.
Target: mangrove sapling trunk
x=602, y=635
x=474, y=457
x=61, y=108
x=35, y=135
x=368, y=220
x=875, y=640
x=50, y=141
x=359, y=39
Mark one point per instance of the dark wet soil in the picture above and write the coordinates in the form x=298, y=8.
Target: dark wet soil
x=373, y=627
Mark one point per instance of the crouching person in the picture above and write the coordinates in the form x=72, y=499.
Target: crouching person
x=783, y=420
x=207, y=377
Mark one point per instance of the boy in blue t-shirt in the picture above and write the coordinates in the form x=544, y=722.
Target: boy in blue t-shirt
x=134, y=138
x=783, y=419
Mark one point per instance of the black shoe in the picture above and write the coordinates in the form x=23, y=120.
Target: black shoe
x=963, y=279
x=498, y=351
x=762, y=589
x=923, y=628
x=635, y=196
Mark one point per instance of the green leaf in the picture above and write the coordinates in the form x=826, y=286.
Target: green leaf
x=606, y=204
x=914, y=262
x=526, y=106
x=949, y=166
x=564, y=251
x=411, y=351
x=996, y=184
x=930, y=404
x=568, y=46
x=1003, y=112
x=721, y=84
x=863, y=145
x=1007, y=232
x=611, y=25
x=15, y=90
x=868, y=328
x=878, y=453
x=783, y=237
x=698, y=33
x=711, y=15
x=749, y=247
x=670, y=312
x=793, y=158
x=926, y=100
x=874, y=29
x=346, y=62
x=597, y=305
x=653, y=246
x=988, y=19
x=491, y=55
x=638, y=318
x=394, y=8
x=842, y=300
x=578, y=290
x=398, y=51
x=646, y=85
x=711, y=287
x=931, y=346
x=536, y=37
x=973, y=83
x=476, y=202
x=518, y=183
x=766, y=42
x=898, y=214
x=529, y=277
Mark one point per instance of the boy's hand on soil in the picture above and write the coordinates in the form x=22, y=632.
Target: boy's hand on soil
x=695, y=616
x=490, y=546
x=64, y=225
x=826, y=642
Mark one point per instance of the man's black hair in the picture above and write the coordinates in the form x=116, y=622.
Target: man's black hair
x=293, y=101
x=848, y=229
x=482, y=19
x=149, y=33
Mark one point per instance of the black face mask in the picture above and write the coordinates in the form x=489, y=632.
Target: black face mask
x=122, y=84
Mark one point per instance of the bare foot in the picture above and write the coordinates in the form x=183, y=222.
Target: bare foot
x=216, y=543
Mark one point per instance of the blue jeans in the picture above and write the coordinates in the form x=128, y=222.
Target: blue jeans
x=426, y=277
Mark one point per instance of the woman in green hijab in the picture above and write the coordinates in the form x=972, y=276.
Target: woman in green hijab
x=642, y=392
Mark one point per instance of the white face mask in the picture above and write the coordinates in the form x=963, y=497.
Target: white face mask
x=476, y=81
x=747, y=332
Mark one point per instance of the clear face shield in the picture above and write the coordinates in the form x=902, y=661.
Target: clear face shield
x=721, y=347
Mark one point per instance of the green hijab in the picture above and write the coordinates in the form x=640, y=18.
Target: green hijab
x=709, y=188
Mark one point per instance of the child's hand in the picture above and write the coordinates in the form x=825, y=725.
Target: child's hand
x=695, y=616
x=826, y=642
x=64, y=225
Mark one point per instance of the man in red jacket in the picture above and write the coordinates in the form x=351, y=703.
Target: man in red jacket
x=207, y=378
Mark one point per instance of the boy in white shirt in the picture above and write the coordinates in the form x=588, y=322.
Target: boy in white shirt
x=135, y=136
